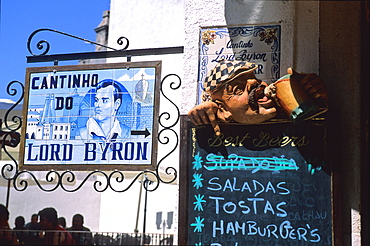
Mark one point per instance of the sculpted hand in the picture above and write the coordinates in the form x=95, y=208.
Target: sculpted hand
x=312, y=84
x=207, y=113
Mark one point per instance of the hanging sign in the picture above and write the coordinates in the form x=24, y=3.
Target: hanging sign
x=88, y=116
x=255, y=185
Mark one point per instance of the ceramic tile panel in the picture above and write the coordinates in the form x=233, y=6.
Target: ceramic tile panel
x=259, y=44
x=104, y=113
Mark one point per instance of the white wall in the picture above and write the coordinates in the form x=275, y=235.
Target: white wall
x=148, y=24
x=85, y=201
x=119, y=211
x=299, y=42
x=106, y=211
x=165, y=23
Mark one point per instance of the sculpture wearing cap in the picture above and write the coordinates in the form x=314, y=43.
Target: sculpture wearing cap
x=232, y=93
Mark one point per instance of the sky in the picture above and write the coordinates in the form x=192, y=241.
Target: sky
x=19, y=18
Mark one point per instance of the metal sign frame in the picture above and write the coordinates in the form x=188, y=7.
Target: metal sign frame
x=66, y=109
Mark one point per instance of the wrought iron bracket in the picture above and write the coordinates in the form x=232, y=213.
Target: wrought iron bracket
x=44, y=45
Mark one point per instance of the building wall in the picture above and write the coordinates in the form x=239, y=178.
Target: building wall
x=316, y=38
x=148, y=24
x=125, y=211
x=85, y=201
x=340, y=45
x=174, y=23
x=299, y=43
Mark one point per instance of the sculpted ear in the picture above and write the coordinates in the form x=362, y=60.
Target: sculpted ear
x=223, y=114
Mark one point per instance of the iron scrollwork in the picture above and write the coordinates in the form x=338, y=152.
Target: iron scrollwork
x=10, y=136
x=45, y=45
x=166, y=117
x=110, y=180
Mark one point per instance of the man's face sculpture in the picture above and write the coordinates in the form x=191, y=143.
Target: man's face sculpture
x=244, y=100
x=233, y=93
x=105, y=106
x=239, y=94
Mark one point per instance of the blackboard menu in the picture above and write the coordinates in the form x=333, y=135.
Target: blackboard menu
x=255, y=185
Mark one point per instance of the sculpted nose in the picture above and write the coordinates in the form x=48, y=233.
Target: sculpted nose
x=251, y=83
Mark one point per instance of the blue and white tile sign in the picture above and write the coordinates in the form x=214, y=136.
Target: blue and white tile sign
x=253, y=43
x=87, y=115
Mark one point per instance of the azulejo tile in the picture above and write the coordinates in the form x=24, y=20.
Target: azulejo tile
x=253, y=43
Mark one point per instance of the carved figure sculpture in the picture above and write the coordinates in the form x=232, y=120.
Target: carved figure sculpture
x=232, y=93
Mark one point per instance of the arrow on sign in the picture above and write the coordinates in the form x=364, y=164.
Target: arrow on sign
x=146, y=132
